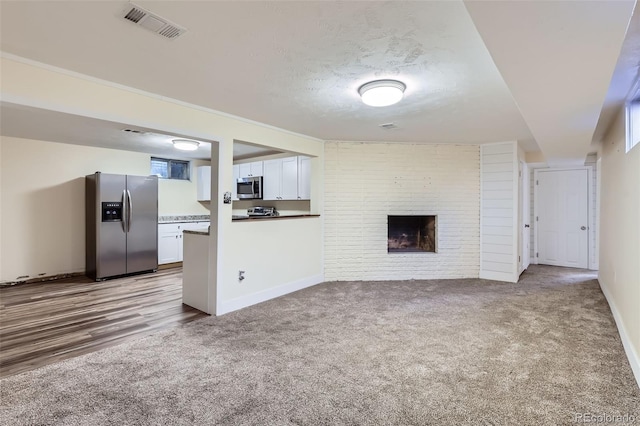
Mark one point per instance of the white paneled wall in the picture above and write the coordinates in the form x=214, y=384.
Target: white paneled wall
x=366, y=182
x=498, y=214
x=593, y=219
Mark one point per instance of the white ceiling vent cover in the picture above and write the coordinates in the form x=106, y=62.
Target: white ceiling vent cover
x=152, y=22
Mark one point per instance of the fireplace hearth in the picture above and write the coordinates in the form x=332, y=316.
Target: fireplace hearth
x=411, y=234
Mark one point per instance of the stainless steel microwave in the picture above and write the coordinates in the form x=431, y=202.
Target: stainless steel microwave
x=249, y=188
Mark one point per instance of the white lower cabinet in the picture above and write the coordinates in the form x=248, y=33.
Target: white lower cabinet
x=170, y=240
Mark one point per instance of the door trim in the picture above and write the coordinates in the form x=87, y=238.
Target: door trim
x=524, y=200
x=589, y=170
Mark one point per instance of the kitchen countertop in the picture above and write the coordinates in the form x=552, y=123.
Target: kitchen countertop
x=253, y=218
x=184, y=218
x=197, y=232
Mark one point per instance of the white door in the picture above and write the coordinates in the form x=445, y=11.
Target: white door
x=562, y=217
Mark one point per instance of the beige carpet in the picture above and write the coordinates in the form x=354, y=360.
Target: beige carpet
x=442, y=352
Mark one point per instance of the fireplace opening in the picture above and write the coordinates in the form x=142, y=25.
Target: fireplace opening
x=411, y=234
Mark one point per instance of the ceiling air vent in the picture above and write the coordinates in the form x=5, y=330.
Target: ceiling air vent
x=152, y=22
x=389, y=126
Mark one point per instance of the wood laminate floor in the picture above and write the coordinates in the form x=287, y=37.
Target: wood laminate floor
x=41, y=323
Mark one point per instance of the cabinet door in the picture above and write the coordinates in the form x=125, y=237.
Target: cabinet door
x=304, y=178
x=272, y=180
x=289, y=187
x=245, y=170
x=256, y=168
x=169, y=247
x=204, y=183
x=236, y=176
x=180, y=247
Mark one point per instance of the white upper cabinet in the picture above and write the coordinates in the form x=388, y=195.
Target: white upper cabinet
x=250, y=169
x=203, y=176
x=289, y=185
x=272, y=179
x=280, y=179
x=287, y=179
x=304, y=178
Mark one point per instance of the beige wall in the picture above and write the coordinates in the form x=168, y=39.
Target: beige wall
x=366, y=182
x=36, y=85
x=286, y=248
x=619, y=273
x=43, y=230
x=179, y=197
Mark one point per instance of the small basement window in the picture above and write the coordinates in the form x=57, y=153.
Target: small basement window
x=166, y=168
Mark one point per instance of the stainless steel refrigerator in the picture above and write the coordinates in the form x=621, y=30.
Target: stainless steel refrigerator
x=122, y=224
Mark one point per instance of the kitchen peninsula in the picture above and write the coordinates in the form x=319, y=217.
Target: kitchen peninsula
x=195, y=270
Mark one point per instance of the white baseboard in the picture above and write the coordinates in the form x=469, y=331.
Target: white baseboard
x=630, y=350
x=264, y=295
x=498, y=276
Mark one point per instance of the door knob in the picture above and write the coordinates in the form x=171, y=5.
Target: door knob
x=583, y=227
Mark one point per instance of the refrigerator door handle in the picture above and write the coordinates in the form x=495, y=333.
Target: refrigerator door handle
x=129, y=209
x=124, y=207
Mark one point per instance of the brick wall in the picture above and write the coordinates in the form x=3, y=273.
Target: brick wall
x=365, y=182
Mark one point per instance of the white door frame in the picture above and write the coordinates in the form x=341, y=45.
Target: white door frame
x=525, y=216
x=589, y=170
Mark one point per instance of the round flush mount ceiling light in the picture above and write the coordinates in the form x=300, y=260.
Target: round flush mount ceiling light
x=381, y=93
x=185, y=144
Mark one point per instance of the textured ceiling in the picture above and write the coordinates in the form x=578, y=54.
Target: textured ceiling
x=297, y=65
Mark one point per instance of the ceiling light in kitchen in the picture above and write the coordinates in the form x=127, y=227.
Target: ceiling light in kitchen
x=381, y=93
x=185, y=144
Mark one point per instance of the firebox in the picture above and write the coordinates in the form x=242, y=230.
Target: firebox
x=412, y=234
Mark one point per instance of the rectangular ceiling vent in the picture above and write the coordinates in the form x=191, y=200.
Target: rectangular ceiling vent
x=152, y=22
